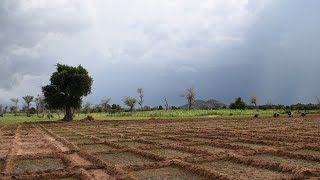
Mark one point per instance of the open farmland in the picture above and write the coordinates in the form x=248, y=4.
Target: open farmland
x=243, y=148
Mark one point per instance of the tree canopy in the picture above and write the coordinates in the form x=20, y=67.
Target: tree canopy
x=129, y=101
x=68, y=86
x=238, y=104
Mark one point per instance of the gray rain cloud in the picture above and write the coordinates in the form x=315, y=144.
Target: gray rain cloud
x=224, y=48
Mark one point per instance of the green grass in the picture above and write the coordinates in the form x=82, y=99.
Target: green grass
x=171, y=114
x=191, y=113
x=10, y=119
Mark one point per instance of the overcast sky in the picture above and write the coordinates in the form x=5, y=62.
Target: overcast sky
x=224, y=48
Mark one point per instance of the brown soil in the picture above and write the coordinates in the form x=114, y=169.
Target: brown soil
x=165, y=173
x=289, y=161
x=33, y=165
x=170, y=153
x=211, y=149
x=1, y=165
x=79, y=160
x=242, y=148
x=3, y=153
x=93, y=148
x=124, y=158
x=242, y=171
x=99, y=174
x=308, y=152
x=132, y=143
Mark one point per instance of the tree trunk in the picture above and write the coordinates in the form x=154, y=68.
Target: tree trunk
x=68, y=114
x=28, y=110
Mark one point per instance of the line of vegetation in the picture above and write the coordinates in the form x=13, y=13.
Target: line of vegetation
x=62, y=99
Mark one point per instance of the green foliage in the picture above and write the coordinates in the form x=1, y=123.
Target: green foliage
x=116, y=107
x=174, y=107
x=32, y=110
x=68, y=86
x=9, y=118
x=28, y=99
x=160, y=108
x=129, y=101
x=238, y=104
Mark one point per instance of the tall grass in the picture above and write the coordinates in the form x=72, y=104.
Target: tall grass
x=22, y=118
x=192, y=113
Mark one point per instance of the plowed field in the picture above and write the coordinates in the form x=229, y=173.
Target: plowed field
x=261, y=148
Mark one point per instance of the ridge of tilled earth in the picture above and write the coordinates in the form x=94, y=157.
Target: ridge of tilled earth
x=211, y=149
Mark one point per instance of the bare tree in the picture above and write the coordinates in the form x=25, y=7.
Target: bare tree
x=1, y=110
x=130, y=101
x=87, y=107
x=253, y=100
x=28, y=99
x=166, y=103
x=40, y=104
x=15, y=101
x=105, y=104
x=190, y=96
x=318, y=100
x=141, y=95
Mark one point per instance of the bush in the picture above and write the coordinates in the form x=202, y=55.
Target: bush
x=32, y=110
x=238, y=104
x=89, y=118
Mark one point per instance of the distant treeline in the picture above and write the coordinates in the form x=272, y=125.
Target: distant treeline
x=298, y=106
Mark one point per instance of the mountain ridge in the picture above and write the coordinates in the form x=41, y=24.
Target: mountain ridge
x=202, y=104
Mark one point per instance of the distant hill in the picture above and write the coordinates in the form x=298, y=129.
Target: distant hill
x=201, y=104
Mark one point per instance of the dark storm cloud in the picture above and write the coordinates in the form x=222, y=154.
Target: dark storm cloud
x=224, y=48
x=279, y=62
x=283, y=43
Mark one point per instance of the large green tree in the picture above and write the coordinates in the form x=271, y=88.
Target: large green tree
x=68, y=86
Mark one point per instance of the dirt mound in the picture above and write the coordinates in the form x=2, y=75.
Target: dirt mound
x=88, y=118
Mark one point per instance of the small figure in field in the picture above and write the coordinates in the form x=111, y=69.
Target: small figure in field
x=303, y=114
x=256, y=115
x=276, y=115
x=290, y=114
